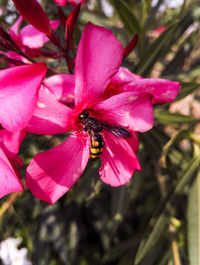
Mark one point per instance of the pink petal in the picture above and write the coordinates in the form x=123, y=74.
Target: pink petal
x=134, y=142
x=62, y=87
x=9, y=182
x=18, y=94
x=52, y=173
x=73, y=2
x=54, y=24
x=70, y=26
x=34, y=38
x=127, y=110
x=17, y=161
x=15, y=56
x=50, y=116
x=10, y=141
x=119, y=82
x=119, y=161
x=60, y=2
x=124, y=76
x=161, y=90
x=14, y=31
x=98, y=59
x=15, y=27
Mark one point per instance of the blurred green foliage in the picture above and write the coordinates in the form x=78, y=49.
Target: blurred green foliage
x=153, y=220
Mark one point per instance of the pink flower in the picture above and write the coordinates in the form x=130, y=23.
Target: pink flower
x=28, y=39
x=29, y=36
x=18, y=96
x=113, y=96
x=33, y=12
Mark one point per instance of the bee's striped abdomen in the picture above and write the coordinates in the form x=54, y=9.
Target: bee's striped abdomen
x=96, y=148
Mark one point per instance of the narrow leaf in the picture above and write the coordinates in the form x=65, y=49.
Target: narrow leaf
x=177, y=63
x=152, y=52
x=166, y=117
x=186, y=89
x=161, y=46
x=127, y=16
x=193, y=214
x=160, y=226
x=181, y=134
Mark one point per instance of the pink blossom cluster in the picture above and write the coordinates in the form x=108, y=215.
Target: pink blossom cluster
x=33, y=103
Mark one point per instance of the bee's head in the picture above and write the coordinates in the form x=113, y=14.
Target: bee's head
x=83, y=115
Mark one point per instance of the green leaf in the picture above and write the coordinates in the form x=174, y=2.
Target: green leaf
x=152, y=52
x=86, y=16
x=193, y=227
x=186, y=89
x=118, y=250
x=160, y=224
x=154, y=140
x=192, y=75
x=166, y=117
x=180, y=134
x=177, y=63
x=162, y=45
x=127, y=17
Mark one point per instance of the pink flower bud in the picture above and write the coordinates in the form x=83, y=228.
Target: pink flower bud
x=32, y=11
x=131, y=46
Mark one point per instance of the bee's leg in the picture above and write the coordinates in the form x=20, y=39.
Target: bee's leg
x=82, y=129
x=91, y=134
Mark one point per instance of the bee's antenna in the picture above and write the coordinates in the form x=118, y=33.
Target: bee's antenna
x=89, y=109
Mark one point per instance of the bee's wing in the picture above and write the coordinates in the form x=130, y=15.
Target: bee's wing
x=116, y=130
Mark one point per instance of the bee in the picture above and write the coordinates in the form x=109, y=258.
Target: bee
x=94, y=127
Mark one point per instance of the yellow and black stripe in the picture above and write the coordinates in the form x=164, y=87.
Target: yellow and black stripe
x=96, y=148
